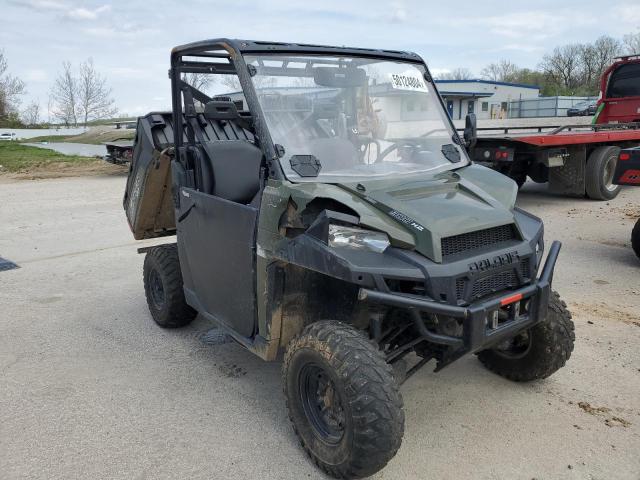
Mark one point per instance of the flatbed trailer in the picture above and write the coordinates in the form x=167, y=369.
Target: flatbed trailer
x=576, y=160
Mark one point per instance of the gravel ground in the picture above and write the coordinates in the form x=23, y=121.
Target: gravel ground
x=91, y=388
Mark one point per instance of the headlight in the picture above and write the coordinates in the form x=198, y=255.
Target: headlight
x=357, y=238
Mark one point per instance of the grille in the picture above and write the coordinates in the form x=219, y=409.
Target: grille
x=524, y=268
x=481, y=238
x=460, y=283
x=494, y=283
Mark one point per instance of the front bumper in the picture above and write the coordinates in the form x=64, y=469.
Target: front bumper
x=479, y=331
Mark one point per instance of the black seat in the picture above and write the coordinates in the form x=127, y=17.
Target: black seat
x=231, y=169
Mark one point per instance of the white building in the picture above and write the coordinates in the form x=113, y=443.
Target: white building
x=486, y=98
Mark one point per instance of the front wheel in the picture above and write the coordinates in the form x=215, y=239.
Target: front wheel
x=537, y=352
x=635, y=238
x=343, y=400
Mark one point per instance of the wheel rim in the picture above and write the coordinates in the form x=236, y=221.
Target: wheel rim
x=157, y=289
x=608, y=172
x=322, y=404
x=516, y=347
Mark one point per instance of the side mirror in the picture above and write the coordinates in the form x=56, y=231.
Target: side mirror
x=470, y=131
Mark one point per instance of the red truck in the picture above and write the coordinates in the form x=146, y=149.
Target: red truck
x=628, y=173
x=574, y=159
x=620, y=92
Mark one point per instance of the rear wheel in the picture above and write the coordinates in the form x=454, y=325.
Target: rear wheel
x=343, y=400
x=537, y=352
x=635, y=238
x=163, y=288
x=601, y=167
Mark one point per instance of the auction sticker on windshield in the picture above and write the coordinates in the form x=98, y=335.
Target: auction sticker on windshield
x=408, y=82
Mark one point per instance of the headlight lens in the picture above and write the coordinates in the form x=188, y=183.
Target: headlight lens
x=357, y=238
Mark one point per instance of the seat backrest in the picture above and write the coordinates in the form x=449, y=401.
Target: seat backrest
x=234, y=167
x=221, y=110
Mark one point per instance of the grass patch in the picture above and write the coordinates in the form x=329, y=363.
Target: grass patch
x=47, y=138
x=93, y=136
x=15, y=157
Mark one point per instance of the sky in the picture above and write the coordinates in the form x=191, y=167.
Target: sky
x=130, y=40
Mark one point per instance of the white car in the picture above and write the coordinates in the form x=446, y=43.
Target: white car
x=7, y=136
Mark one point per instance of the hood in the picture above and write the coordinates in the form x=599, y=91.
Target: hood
x=446, y=204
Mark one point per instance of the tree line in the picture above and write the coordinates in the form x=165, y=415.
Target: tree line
x=572, y=69
x=78, y=95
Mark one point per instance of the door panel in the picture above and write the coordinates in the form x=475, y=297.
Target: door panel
x=217, y=239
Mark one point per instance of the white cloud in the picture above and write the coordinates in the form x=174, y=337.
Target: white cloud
x=399, y=12
x=36, y=75
x=128, y=73
x=122, y=31
x=438, y=72
x=532, y=25
x=41, y=4
x=629, y=15
x=521, y=47
x=86, y=14
x=67, y=9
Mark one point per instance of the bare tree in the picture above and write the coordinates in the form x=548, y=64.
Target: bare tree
x=11, y=88
x=563, y=65
x=50, y=107
x=588, y=64
x=65, y=97
x=457, y=74
x=31, y=114
x=85, y=96
x=606, y=49
x=232, y=82
x=632, y=43
x=199, y=81
x=94, y=96
x=501, y=71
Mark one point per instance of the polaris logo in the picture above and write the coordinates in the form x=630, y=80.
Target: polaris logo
x=401, y=217
x=495, y=262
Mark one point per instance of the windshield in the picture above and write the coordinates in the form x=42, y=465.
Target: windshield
x=342, y=119
x=624, y=81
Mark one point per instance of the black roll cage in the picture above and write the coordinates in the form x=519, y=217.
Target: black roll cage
x=208, y=56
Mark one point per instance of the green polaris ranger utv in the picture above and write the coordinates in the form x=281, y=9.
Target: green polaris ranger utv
x=326, y=212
